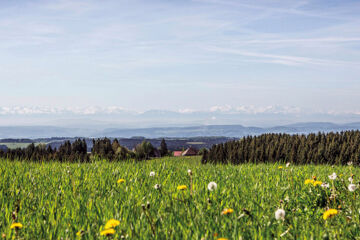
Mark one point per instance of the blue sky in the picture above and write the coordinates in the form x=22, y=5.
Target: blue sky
x=181, y=55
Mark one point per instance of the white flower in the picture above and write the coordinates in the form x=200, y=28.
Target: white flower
x=287, y=164
x=350, y=163
x=212, y=186
x=152, y=174
x=351, y=179
x=333, y=176
x=280, y=214
x=157, y=186
x=325, y=185
x=189, y=172
x=352, y=187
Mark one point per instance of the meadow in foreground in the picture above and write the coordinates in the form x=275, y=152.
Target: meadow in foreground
x=177, y=198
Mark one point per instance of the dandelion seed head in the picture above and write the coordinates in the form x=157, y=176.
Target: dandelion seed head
x=325, y=185
x=212, y=186
x=352, y=187
x=280, y=214
x=333, y=176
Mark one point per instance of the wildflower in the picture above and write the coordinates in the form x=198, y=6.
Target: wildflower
x=350, y=163
x=121, y=180
x=280, y=214
x=352, y=187
x=222, y=239
x=308, y=181
x=182, y=187
x=79, y=233
x=329, y=213
x=351, y=179
x=16, y=226
x=280, y=167
x=157, y=186
x=107, y=232
x=189, y=172
x=227, y=211
x=212, y=186
x=316, y=183
x=152, y=174
x=325, y=185
x=333, y=176
x=112, y=223
x=288, y=164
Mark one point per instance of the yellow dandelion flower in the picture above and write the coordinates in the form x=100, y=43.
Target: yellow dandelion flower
x=330, y=213
x=222, y=239
x=308, y=181
x=280, y=167
x=112, y=223
x=16, y=226
x=121, y=180
x=182, y=187
x=107, y=232
x=316, y=183
x=79, y=233
x=227, y=211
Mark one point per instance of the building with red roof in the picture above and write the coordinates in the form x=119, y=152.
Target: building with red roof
x=177, y=153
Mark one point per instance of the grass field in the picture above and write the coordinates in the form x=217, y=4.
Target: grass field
x=74, y=201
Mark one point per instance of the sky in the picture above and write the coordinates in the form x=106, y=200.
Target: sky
x=180, y=55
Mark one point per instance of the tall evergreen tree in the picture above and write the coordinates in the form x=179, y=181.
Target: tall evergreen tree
x=163, y=148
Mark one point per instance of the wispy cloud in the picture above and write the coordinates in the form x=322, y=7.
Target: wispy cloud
x=283, y=59
x=138, y=53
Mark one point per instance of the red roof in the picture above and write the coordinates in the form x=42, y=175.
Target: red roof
x=177, y=153
x=189, y=152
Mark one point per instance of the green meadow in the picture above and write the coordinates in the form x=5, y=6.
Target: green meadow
x=75, y=201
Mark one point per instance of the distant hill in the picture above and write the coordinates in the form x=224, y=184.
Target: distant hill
x=230, y=130
x=178, y=132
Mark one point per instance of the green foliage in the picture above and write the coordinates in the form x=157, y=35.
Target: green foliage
x=56, y=200
x=72, y=152
x=322, y=148
x=163, y=148
x=144, y=150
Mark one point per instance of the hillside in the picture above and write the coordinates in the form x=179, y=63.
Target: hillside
x=175, y=132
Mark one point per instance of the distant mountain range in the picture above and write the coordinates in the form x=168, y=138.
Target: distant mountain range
x=156, y=132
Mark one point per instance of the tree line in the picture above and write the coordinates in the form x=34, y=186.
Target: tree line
x=321, y=148
x=77, y=151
